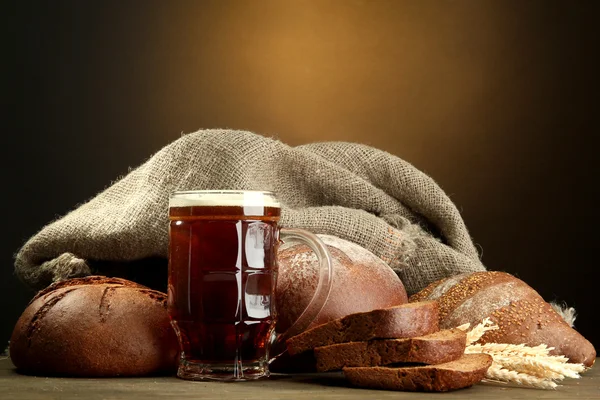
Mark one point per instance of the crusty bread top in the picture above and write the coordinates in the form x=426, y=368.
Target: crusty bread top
x=522, y=315
x=457, y=374
x=454, y=291
x=95, y=326
x=88, y=280
x=435, y=289
x=406, y=320
x=355, y=270
x=435, y=348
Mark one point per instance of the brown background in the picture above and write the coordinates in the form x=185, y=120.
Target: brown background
x=497, y=100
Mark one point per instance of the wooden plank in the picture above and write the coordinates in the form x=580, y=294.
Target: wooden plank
x=302, y=386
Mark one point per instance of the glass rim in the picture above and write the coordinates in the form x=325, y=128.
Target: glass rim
x=237, y=198
x=220, y=191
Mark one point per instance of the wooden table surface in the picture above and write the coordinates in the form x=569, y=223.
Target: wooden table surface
x=307, y=386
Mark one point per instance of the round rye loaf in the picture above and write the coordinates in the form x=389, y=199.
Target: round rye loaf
x=95, y=327
x=361, y=282
x=520, y=312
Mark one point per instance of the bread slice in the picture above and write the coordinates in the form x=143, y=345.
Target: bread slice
x=435, y=348
x=457, y=374
x=403, y=321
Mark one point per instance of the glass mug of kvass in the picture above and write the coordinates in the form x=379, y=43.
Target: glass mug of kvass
x=222, y=277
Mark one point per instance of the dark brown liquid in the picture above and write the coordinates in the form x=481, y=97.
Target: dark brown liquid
x=222, y=275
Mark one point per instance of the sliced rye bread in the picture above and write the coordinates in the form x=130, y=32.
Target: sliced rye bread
x=403, y=321
x=435, y=348
x=457, y=374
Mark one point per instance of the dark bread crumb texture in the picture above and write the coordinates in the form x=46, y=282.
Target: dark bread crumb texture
x=407, y=320
x=458, y=374
x=435, y=348
x=380, y=349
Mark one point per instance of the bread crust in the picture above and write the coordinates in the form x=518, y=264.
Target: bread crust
x=453, y=375
x=361, y=282
x=95, y=326
x=522, y=315
x=403, y=321
x=436, y=348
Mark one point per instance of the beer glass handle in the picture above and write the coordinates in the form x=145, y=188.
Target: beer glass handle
x=321, y=294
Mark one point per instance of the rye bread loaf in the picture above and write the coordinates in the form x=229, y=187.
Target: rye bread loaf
x=95, y=327
x=361, y=282
x=520, y=312
x=457, y=374
x=435, y=348
x=403, y=321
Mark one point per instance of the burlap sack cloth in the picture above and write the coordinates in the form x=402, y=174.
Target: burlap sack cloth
x=349, y=190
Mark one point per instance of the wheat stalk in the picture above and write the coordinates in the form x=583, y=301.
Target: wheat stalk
x=479, y=330
x=543, y=367
x=497, y=373
x=519, y=363
x=517, y=350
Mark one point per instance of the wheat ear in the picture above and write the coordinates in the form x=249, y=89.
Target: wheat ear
x=519, y=363
x=496, y=373
x=517, y=350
